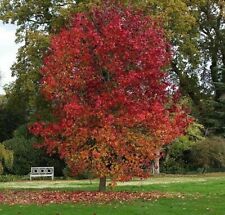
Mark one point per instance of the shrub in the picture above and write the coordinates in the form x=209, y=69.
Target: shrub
x=177, y=154
x=26, y=155
x=6, y=159
x=8, y=178
x=209, y=154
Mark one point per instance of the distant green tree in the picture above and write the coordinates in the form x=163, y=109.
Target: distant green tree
x=6, y=159
x=211, y=21
x=9, y=119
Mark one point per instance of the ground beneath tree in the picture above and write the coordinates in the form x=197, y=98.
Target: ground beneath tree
x=47, y=197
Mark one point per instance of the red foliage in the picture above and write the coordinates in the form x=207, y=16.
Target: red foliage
x=57, y=197
x=104, y=77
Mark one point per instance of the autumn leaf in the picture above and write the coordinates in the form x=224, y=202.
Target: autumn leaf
x=57, y=197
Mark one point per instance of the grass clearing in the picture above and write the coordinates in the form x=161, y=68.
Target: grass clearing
x=203, y=195
x=203, y=206
x=92, y=184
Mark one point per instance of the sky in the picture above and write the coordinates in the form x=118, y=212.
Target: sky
x=8, y=50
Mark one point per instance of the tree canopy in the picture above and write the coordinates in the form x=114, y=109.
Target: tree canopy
x=113, y=104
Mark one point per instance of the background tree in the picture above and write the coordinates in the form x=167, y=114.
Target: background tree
x=109, y=94
x=6, y=159
x=9, y=119
x=211, y=22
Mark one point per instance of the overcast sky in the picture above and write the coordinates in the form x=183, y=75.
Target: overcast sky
x=8, y=50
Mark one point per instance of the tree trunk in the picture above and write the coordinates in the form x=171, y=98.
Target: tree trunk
x=156, y=163
x=102, y=184
x=185, y=80
x=152, y=168
x=156, y=166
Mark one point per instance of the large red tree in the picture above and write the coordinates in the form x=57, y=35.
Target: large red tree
x=112, y=101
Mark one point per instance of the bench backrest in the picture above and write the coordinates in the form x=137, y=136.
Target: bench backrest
x=42, y=170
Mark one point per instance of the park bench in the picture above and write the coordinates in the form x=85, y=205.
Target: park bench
x=42, y=172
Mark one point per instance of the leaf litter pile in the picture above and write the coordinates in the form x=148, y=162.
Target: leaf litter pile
x=46, y=197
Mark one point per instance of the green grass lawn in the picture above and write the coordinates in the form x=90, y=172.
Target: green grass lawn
x=203, y=195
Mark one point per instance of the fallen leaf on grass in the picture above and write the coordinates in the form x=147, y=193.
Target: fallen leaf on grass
x=46, y=197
